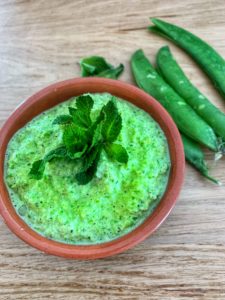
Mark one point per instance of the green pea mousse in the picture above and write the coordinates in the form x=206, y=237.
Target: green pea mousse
x=117, y=200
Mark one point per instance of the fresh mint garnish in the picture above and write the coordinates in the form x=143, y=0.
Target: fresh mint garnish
x=85, y=104
x=87, y=175
x=38, y=166
x=62, y=120
x=37, y=169
x=97, y=66
x=76, y=151
x=116, y=152
x=81, y=114
x=59, y=152
x=74, y=135
x=91, y=157
x=112, y=123
x=83, y=140
x=97, y=135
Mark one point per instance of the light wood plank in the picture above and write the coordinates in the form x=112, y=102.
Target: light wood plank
x=41, y=43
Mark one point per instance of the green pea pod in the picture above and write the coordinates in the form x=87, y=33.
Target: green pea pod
x=184, y=116
x=195, y=156
x=210, y=61
x=174, y=75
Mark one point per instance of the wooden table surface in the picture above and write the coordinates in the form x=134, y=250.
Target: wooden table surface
x=41, y=42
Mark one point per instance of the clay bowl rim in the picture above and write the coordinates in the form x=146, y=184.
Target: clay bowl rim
x=59, y=92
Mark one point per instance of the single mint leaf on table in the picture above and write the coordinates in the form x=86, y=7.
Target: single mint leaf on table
x=116, y=152
x=62, y=120
x=113, y=73
x=99, y=67
x=113, y=122
x=93, y=65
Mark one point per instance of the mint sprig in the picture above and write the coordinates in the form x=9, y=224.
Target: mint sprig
x=97, y=66
x=84, y=139
x=112, y=123
x=81, y=114
x=63, y=119
x=38, y=166
x=90, y=164
x=116, y=152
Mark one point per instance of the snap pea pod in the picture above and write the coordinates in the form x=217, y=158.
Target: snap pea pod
x=195, y=156
x=184, y=116
x=174, y=75
x=208, y=58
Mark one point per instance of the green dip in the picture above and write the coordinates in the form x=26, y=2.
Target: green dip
x=118, y=199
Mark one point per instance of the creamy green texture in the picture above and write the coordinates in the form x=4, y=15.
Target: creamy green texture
x=117, y=200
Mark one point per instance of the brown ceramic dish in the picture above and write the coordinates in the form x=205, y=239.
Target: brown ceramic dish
x=60, y=92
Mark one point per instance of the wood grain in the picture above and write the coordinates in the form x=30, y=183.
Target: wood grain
x=41, y=42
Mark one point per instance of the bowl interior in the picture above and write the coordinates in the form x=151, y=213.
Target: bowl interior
x=60, y=92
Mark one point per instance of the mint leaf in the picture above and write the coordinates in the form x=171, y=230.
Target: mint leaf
x=116, y=152
x=75, y=138
x=113, y=122
x=85, y=103
x=79, y=118
x=62, y=120
x=98, y=66
x=96, y=130
x=113, y=73
x=91, y=156
x=81, y=114
x=37, y=169
x=38, y=166
x=76, y=151
x=72, y=111
x=74, y=135
x=98, y=120
x=93, y=65
x=59, y=152
x=97, y=135
x=86, y=176
x=90, y=166
x=69, y=136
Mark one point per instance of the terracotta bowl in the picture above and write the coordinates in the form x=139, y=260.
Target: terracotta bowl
x=59, y=92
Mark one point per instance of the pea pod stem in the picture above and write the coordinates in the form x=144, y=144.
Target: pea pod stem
x=175, y=77
x=195, y=156
x=184, y=116
x=208, y=58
